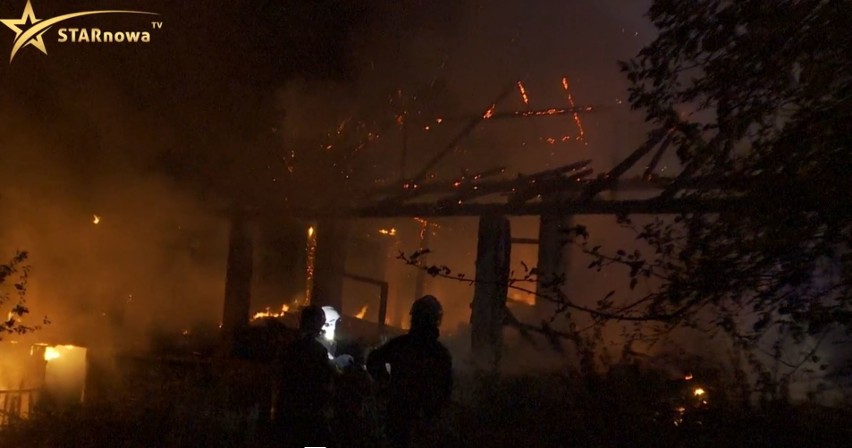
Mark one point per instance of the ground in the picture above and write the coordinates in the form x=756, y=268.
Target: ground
x=541, y=410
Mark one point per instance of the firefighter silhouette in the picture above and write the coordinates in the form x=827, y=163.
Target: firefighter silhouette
x=416, y=370
x=305, y=386
x=355, y=420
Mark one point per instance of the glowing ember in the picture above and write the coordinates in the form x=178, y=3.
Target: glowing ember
x=309, y=264
x=490, y=112
x=423, y=226
x=523, y=93
x=390, y=232
x=362, y=312
x=96, y=219
x=698, y=392
x=571, y=103
x=688, y=377
x=50, y=354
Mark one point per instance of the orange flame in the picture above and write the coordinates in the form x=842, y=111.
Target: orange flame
x=362, y=312
x=268, y=313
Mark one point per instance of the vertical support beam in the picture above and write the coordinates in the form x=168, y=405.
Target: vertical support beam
x=553, y=259
x=383, y=307
x=330, y=265
x=493, y=255
x=278, y=274
x=235, y=313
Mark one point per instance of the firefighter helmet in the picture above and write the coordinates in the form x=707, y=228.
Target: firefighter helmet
x=311, y=320
x=426, y=312
x=331, y=319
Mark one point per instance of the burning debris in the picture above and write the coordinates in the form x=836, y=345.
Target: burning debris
x=523, y=92
x=576, y=116
x=268, y=313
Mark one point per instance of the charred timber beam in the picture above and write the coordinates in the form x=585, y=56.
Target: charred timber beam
x=551, y=112
x=468, y=128
x=393, y=190
x=630, y=184
x=235, y=312
x=595, y=207
x=493, y=255
x=332, y=240
x=548, y=186
x=649, y=170
x=607, y=180
x=554, y=257
x=536, y=113
x=462, y=187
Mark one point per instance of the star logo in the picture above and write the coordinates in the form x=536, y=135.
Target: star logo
x=36, y=27
x=28, y=19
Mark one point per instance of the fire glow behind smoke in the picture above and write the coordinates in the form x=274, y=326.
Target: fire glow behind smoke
x=158, y=172
x=50, y=354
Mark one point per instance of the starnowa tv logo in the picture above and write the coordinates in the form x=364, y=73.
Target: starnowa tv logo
x=31, y=31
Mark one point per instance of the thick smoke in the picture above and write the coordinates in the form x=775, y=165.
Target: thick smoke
x=430, y=68
x=160, y=141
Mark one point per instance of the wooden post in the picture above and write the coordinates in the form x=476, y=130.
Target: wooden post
x=330, y=264
x=235, y=313
x=493, y=254
x=383, y=307
x=553, y=259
